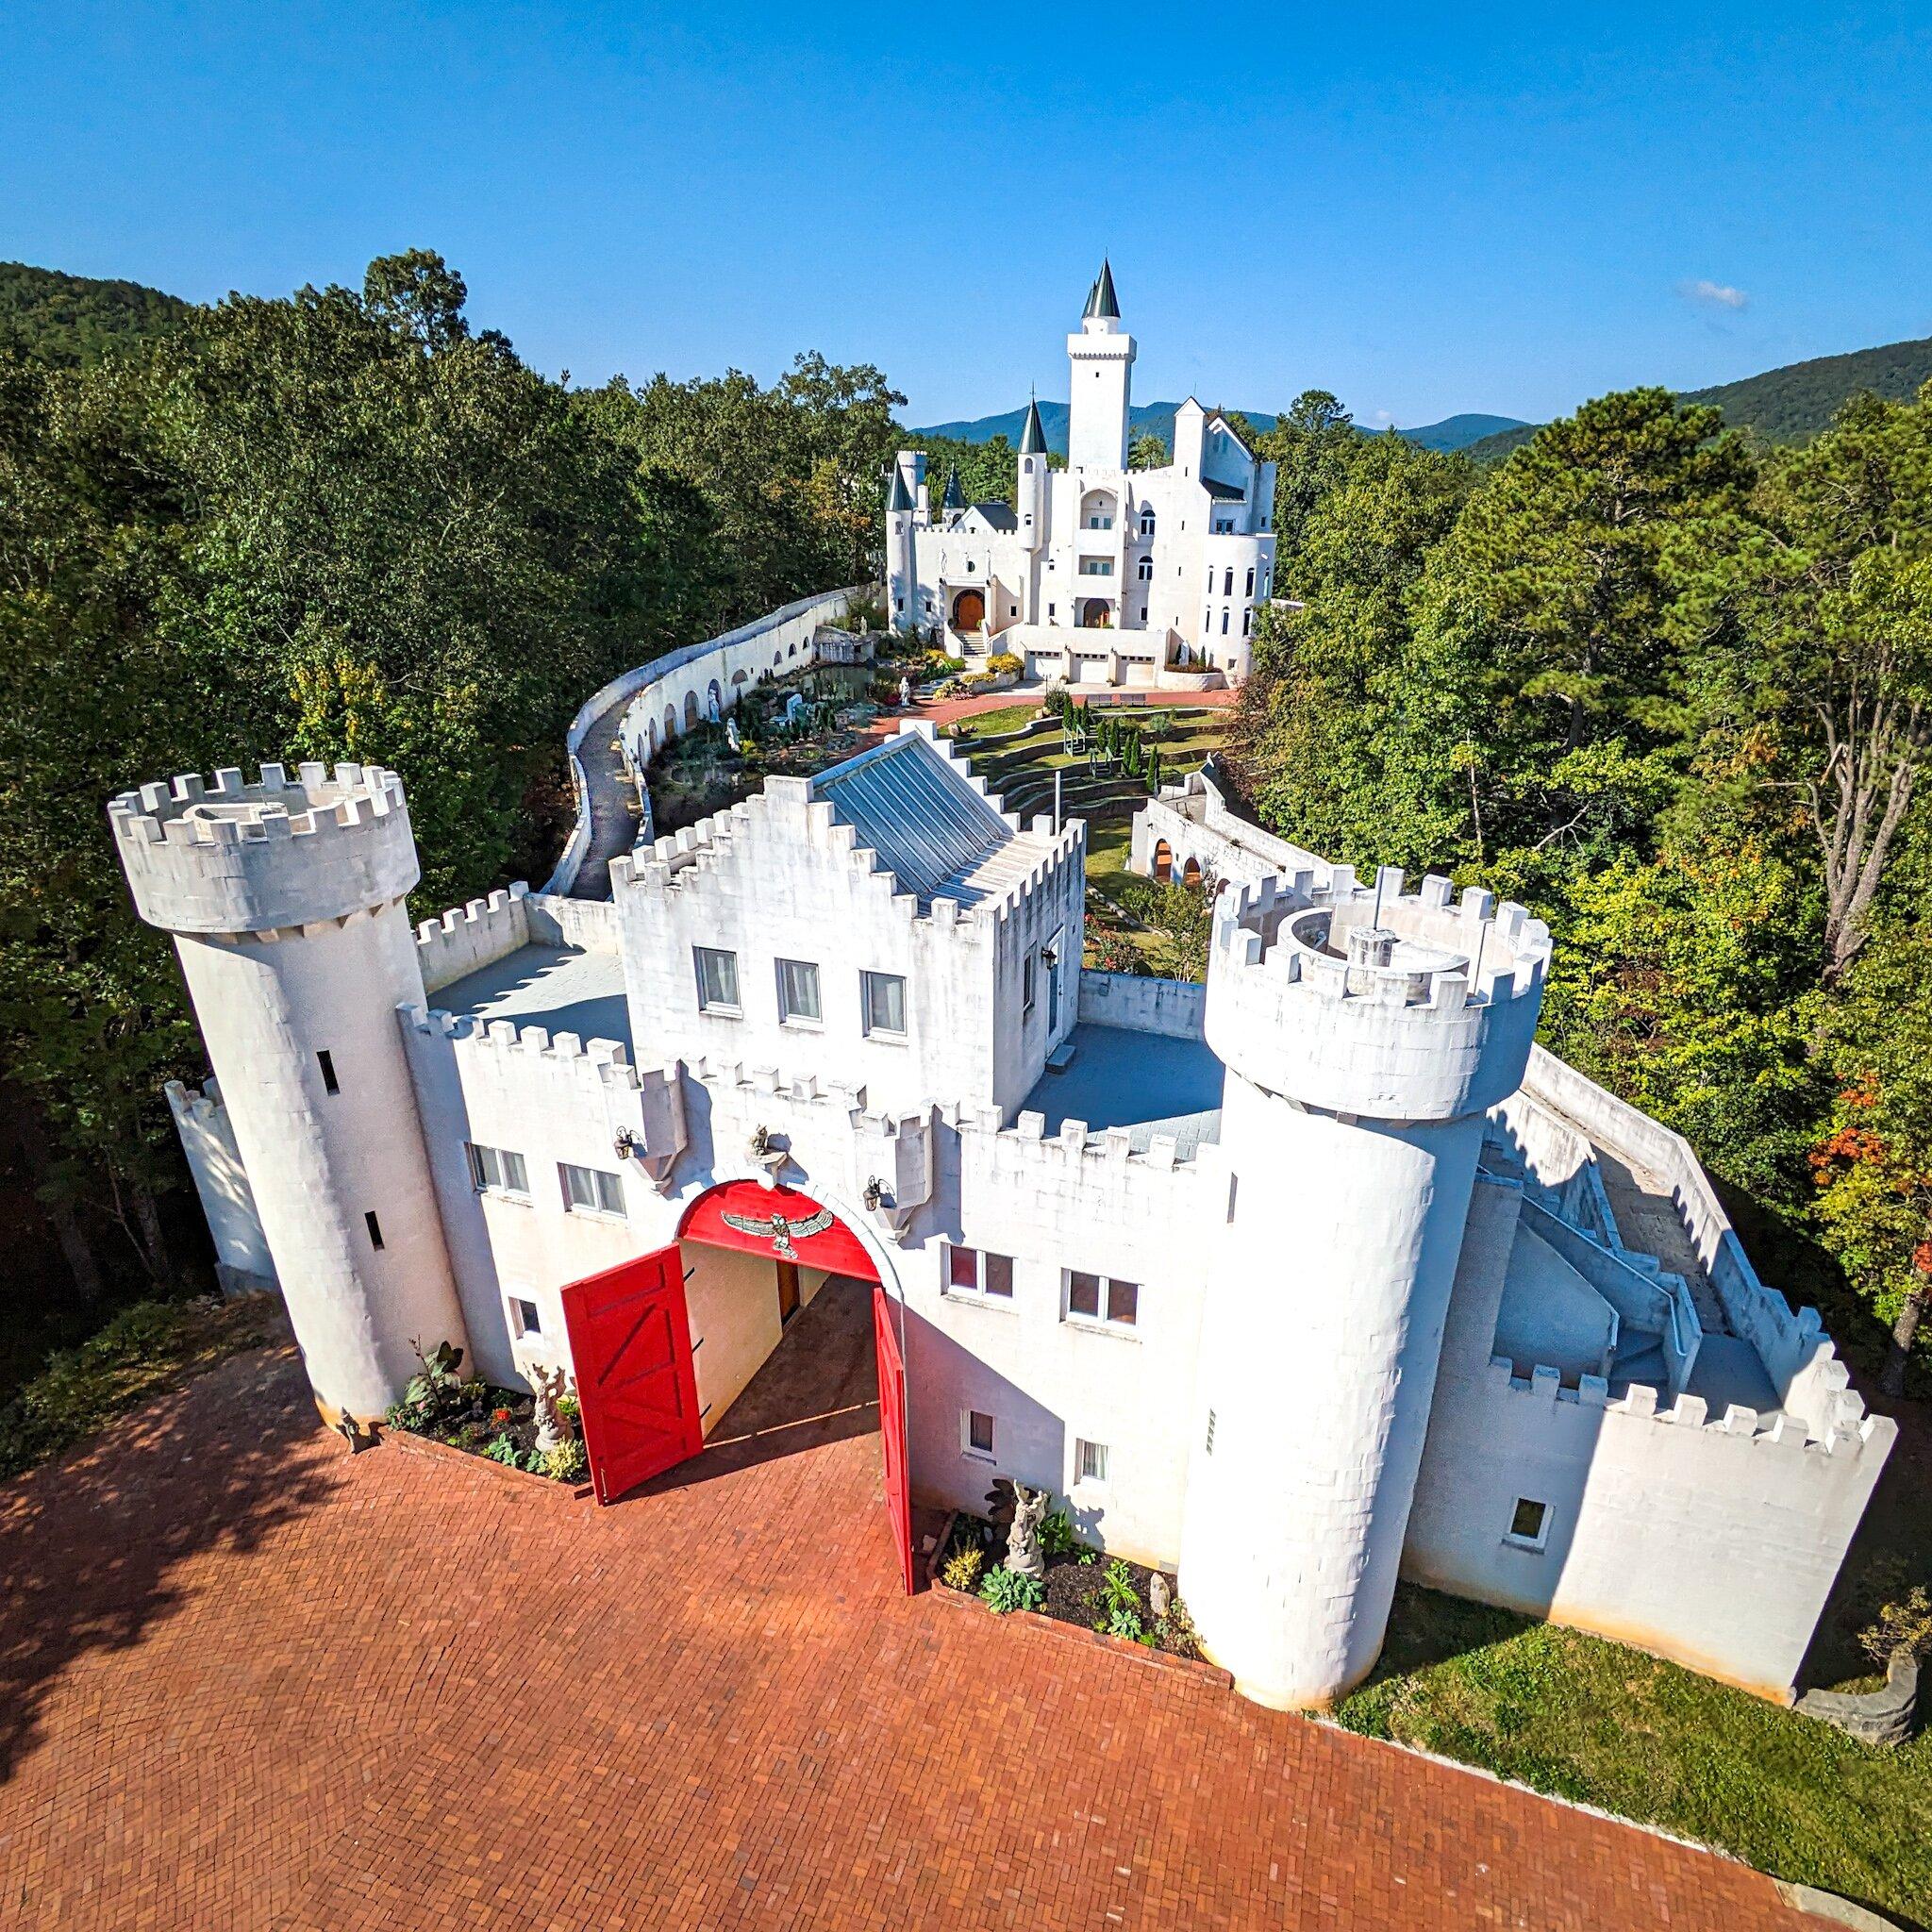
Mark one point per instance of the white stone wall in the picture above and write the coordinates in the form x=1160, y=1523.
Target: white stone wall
x=1176, y=1008
x=1712, y=1540
x=221, y=1184
x=552, y=1099
x=775, y=878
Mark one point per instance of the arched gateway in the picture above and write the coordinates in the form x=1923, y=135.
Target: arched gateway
x=631, y=1342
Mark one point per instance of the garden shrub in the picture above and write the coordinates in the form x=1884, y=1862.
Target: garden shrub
x=1007, y=1591
x=962, y=1568
x=1004, y=664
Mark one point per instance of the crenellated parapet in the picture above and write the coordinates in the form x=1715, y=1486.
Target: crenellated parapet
x=1370, y=1002
x=648, y=1101
x=224, y=856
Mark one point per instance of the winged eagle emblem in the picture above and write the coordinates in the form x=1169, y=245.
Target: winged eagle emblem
x=780, y=1232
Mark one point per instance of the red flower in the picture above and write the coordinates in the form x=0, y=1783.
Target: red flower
x=500, y=1417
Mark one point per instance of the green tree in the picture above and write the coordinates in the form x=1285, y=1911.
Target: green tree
x=1148, y=451
x=1821, y=623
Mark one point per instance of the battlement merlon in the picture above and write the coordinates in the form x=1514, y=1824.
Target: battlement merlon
x=1367, y=1001
x=228, y=857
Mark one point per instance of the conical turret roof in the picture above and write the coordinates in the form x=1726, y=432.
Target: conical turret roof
x=1102, y=301
x=955, y=497
x=1033, y=436
x=900, y=497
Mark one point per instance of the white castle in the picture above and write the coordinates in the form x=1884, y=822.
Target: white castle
x=1095, y=573
x=1312, y=1277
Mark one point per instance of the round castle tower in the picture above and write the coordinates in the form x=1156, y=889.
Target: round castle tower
x=1365, y=1035
x=286, y=900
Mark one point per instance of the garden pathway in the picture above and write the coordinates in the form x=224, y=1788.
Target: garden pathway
x=248, y=1680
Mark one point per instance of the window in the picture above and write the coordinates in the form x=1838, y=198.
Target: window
x=1251, y=580
x=1097, y=522
x=1092, y=1462
x=1096, y=566
x=374, y=1227
x=1146, y=523
x=1529, y=1524
x=1227, y=582
x=497, y=1167
x=329, y=1083
x=1026, y=977
x=975, y=1433
x=1100, y=1298
x=973, y=1271
x=885, y=1002
x=1224, y=620
x=1248, y=621
x=1224, y=526
x=523, y=1319
x=590, y=1190
x=1144, y=570
x=798, y=992
x=717, y=979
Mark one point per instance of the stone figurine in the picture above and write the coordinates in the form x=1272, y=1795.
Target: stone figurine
x=549, y=1387
x=1160, y=1596
x=905, y=693
x=1024, y=1556
x=732, y=737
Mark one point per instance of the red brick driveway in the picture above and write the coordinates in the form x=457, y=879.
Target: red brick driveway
x=247, y=1681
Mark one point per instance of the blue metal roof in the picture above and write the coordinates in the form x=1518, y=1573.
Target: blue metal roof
x=931, y=828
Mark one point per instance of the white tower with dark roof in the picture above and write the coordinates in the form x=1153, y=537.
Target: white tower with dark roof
x=1102, y=354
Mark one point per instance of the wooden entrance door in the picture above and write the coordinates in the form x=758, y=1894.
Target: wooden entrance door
x=637, y=1387
x=788, y=1291
x=969, y=610
x=898, y=1484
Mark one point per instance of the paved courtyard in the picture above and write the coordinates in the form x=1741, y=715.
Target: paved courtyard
x=248, y=1681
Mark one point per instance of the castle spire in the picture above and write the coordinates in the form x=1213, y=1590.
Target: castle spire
x=955, y=497
x=1102, y=303
x=1033, y=434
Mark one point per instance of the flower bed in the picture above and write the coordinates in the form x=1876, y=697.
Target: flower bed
x=497, y=1425
x=1104, y=1599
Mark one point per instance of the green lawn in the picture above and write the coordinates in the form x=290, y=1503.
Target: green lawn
x=1592, y=1721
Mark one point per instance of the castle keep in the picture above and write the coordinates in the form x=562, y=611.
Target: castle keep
x=1095, y=573
x=1312, y=1277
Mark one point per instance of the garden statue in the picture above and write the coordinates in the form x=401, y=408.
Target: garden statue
x=712, y=706
x=905, y=692
x=1160, y=1596
x=350, y=1431
x=732, y=737
x=549, y=1387
x=1023, y=1555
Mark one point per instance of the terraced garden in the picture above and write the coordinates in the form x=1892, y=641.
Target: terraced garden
x=1132, y=923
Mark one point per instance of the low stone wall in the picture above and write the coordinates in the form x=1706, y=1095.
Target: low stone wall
x=1176, y=1008
x=1874, y=1717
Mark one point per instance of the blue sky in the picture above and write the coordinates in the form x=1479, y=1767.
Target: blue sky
x=1425, y=209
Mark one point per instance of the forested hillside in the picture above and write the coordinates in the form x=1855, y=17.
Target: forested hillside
x=1789, y=404
x=342, y=524
x=1674, y=691
x=71, y=322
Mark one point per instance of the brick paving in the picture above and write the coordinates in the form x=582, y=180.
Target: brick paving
x=246, y=1680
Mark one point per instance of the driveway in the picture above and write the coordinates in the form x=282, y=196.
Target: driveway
x=247, y=1680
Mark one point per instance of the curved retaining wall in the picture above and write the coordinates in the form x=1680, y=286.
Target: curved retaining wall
x=647, y=691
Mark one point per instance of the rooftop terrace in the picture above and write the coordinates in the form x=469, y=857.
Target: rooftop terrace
x=560, y=988
x=1145, y=1081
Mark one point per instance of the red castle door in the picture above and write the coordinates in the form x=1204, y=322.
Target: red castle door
x=630, y=1342
x=893, y=1431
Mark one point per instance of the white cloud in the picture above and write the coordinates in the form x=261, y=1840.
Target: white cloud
x=1710, y=294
